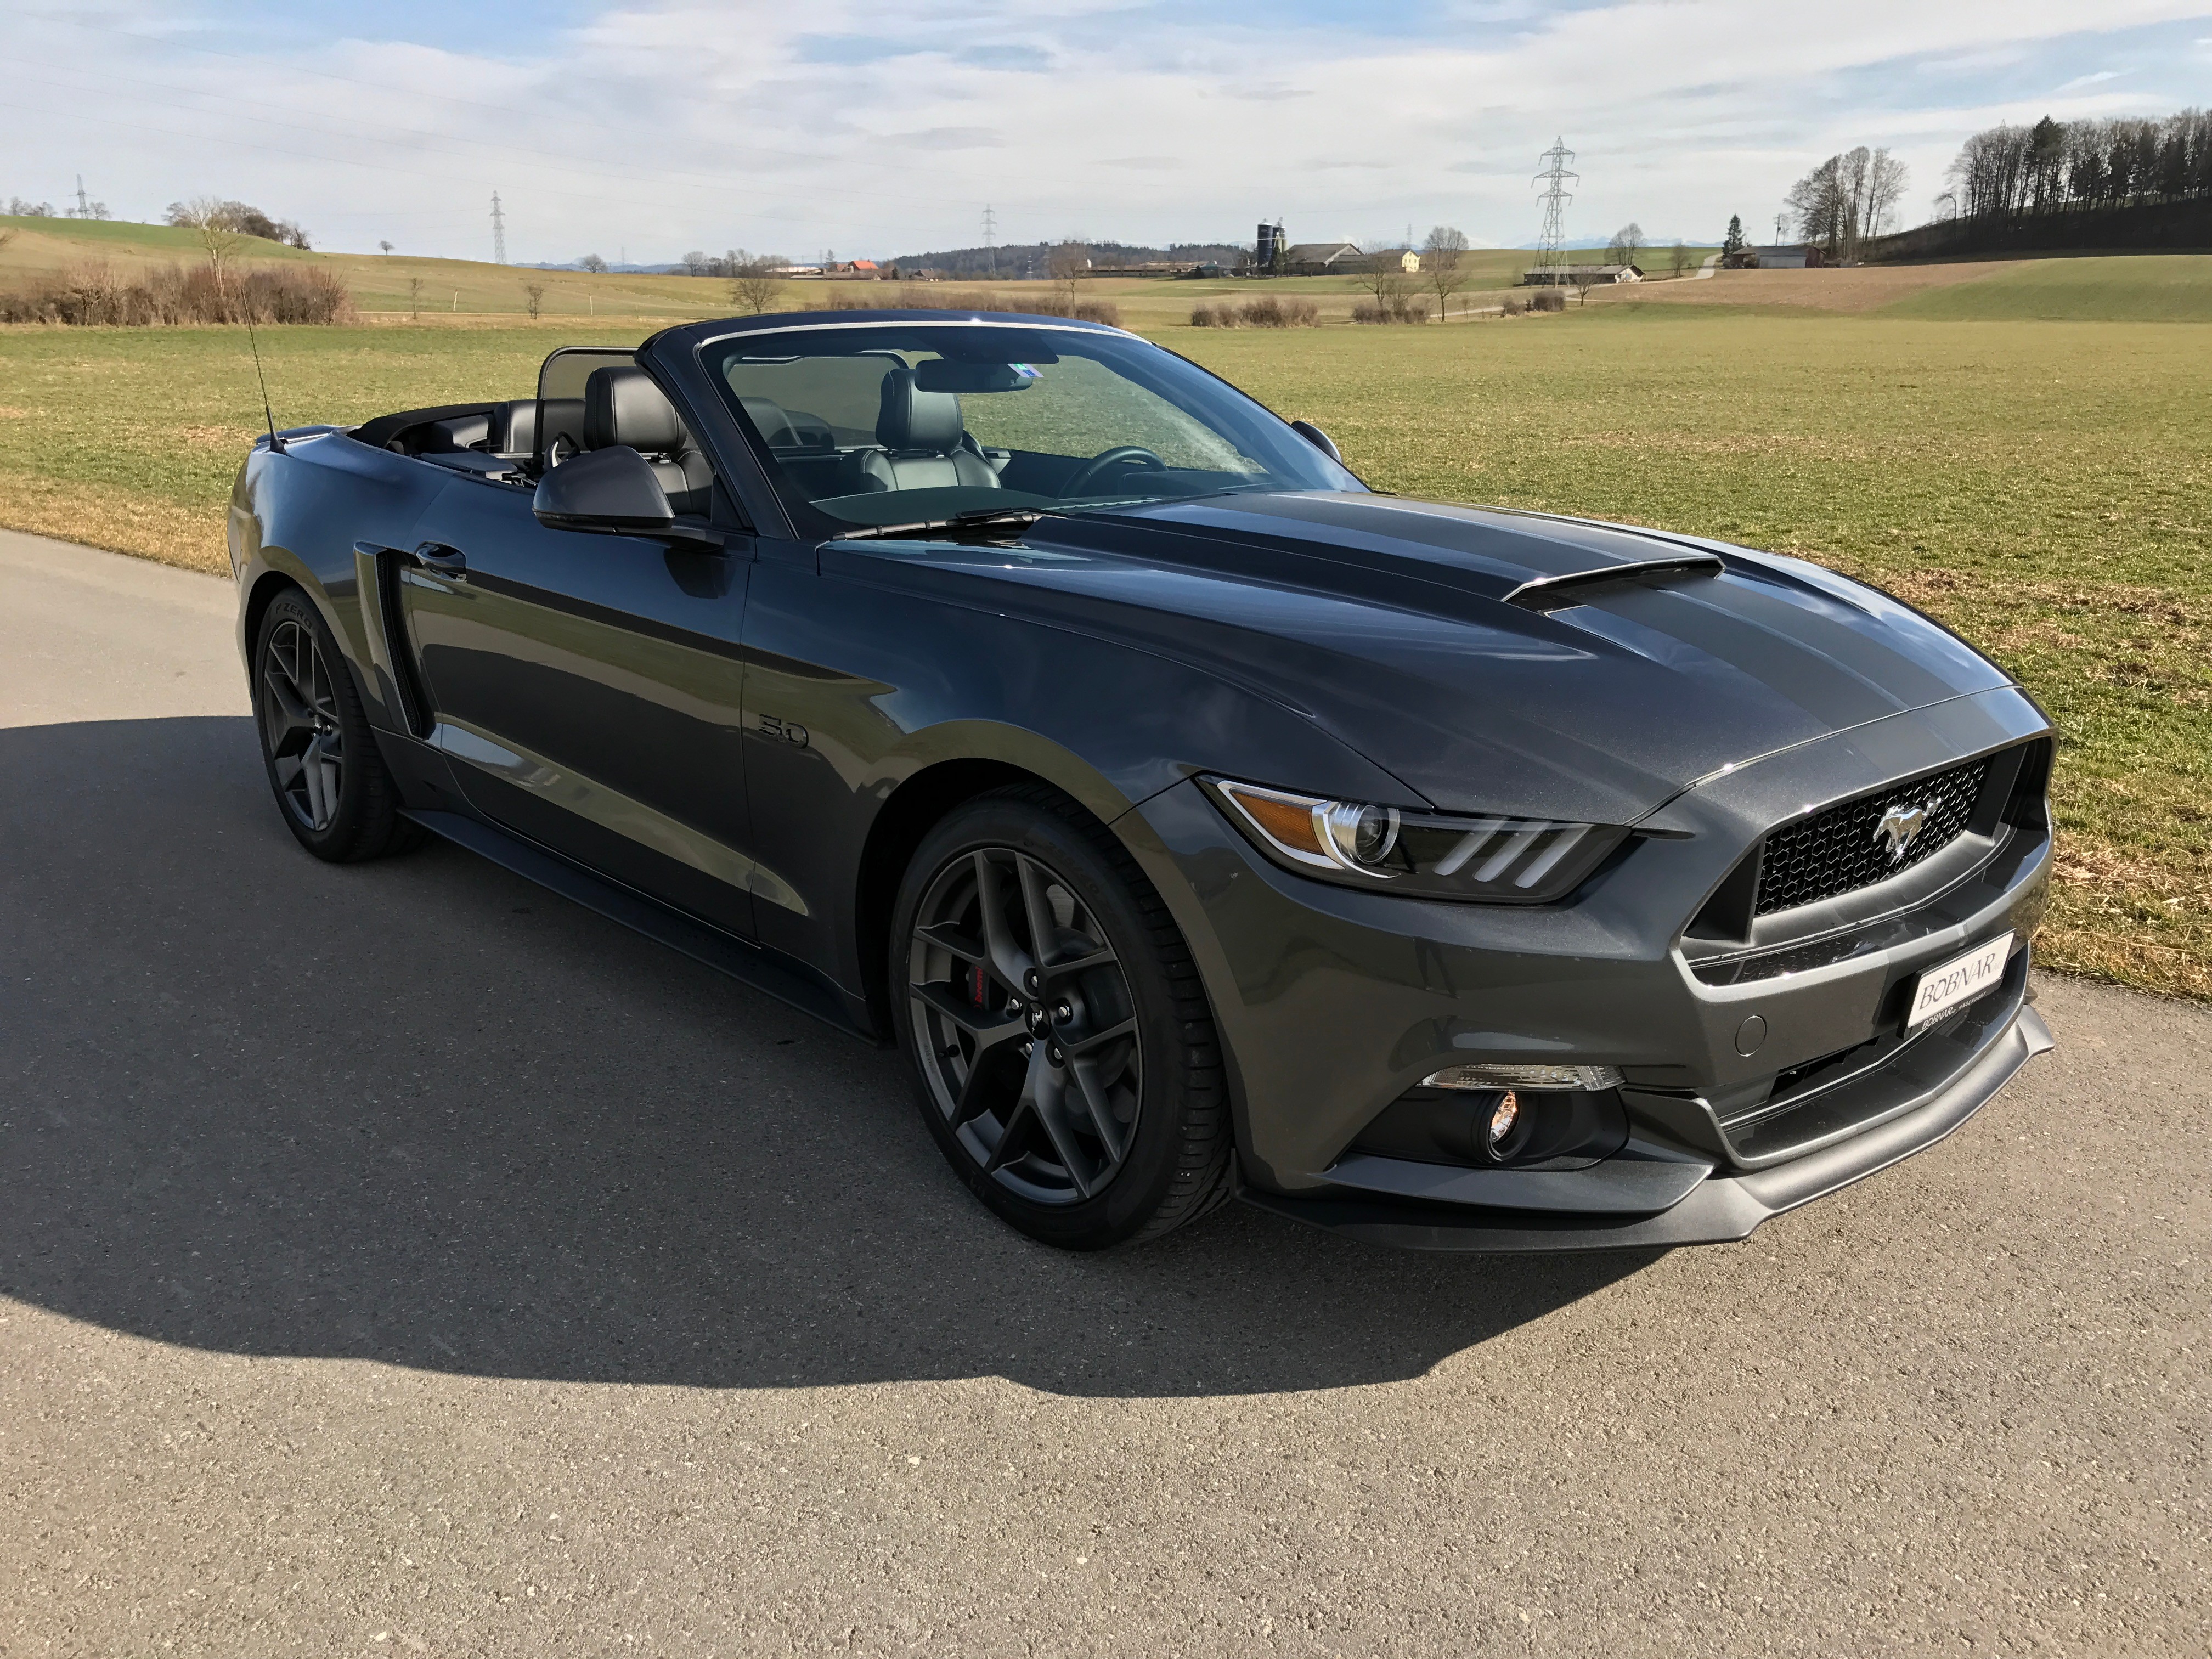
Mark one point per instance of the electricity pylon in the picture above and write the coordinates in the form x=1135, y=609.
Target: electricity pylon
x=498, y=232
x=1551, y=241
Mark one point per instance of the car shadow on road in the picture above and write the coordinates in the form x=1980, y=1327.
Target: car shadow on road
x=421, y=1112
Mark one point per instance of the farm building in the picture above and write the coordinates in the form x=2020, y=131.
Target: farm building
x=1780, y=257
x=1580, y=275
x=1335, y=258
x=1322, y=258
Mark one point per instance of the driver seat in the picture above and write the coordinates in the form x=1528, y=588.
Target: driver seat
x=923, y=444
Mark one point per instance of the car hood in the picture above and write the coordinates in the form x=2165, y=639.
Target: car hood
x=1385, y=621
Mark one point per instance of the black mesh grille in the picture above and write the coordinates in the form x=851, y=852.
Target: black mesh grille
x=1846, y=847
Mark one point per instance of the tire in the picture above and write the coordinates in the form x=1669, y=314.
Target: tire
x=333, y=788
x=1085, y=1105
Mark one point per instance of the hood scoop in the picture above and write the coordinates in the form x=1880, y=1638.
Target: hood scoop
x=1557, y=593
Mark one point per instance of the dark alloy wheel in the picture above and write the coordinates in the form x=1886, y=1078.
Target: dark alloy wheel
x=1066, y=1063
x=329, y=778
x=300, y=724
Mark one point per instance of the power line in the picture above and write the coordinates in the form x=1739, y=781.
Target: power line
x=498, y=232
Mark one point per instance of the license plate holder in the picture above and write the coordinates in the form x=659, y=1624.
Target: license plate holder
x=1949, y=986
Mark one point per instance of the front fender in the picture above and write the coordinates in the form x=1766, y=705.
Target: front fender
x=924, y=678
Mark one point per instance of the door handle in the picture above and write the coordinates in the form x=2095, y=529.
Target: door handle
x=443, y=560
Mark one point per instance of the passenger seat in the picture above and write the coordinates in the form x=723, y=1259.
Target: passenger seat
x=921, y=434
x=622, y=406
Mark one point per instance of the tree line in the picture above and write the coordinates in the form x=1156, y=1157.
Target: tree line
x=2012, y=172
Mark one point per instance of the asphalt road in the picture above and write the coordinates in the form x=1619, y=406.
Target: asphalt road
x=398, y=1260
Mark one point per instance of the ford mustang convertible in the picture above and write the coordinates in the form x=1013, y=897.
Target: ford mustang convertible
x=1197, y=821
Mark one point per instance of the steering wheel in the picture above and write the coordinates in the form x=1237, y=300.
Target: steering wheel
x=1120, y=455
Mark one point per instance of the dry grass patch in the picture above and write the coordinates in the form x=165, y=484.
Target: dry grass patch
x=103, y=515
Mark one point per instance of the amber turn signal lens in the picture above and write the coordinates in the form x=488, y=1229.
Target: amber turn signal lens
x=1290, y=822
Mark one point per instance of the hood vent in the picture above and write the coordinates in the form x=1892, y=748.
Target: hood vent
x=1557, y=593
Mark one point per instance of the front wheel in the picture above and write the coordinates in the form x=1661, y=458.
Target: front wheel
x=1066, y=1062
x=329, y=778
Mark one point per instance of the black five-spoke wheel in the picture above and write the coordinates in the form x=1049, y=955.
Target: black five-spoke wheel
x=1067, y=1063
x=328, y=774
x=300, y=724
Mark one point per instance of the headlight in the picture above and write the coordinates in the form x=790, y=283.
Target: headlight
x=1435, y=855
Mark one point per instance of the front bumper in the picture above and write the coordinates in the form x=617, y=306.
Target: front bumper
x=1714, y=1208
x=1333, y=1003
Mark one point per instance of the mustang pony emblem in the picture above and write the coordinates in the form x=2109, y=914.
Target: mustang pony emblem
x=1900, y=824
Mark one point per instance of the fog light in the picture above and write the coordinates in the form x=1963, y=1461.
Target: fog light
x=1591, y=1078
x=1505, y=1118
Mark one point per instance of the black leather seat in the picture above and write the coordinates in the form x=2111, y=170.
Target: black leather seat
x=623, y=407
x=921, y=437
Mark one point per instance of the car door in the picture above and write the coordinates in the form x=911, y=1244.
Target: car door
x=586, y=689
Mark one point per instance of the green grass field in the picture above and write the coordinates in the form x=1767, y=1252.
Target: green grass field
x=2041, y=486
x=2150, y=288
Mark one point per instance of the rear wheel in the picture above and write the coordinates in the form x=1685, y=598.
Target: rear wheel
x=330, y=781
x=1066, y=1060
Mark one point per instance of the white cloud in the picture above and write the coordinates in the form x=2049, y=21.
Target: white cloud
x=663, y=124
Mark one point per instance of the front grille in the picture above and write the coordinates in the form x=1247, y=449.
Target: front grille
x=1846, y=847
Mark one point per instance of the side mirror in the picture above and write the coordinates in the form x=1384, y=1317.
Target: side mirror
x=611, y=490
x=1319, y=439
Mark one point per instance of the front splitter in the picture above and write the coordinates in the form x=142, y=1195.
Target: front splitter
x=1718, y=1211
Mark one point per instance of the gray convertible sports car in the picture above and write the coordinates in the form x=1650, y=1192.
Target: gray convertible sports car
x=1197, y=820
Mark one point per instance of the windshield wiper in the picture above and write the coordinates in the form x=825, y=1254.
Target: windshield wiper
x=984, y=518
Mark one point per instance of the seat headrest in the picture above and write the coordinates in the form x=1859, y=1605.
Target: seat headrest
x=912, y=419
x=770, y=421
x=622, y=406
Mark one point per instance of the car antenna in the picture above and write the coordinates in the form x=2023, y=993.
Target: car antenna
x=275, y=443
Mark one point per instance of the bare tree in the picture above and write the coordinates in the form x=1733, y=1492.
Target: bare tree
x=1067, y=264
x=214, y=221
x=415, y=298
x=387, y=246
x=1628, y=245
x=1885, y=182
x=753, y=282
x=534, y=296
x=696, y=264
x=1678, y=259
x=1383, y=275
x=592, y=263
x=1442, y=263
x=1848, y=198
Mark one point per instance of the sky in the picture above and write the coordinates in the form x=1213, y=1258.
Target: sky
x=861, y=129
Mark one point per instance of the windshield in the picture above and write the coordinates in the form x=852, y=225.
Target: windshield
x=901, y=423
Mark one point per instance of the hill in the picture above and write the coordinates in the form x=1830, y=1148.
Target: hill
x=379, y=282
x=2143, y=287
x=1015, y=259
x=2157, y=287
x=473, y=289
